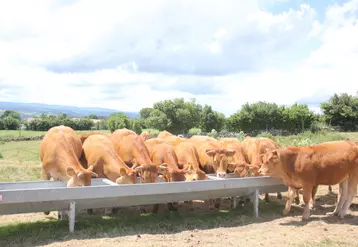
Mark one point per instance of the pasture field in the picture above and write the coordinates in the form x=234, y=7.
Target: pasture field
x=238, y=227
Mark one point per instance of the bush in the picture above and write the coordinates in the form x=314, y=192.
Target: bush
x=194, y=131
x=11, y=123
x=152, y=132
x=117, y=121
x=1, y=156
x=135, y=126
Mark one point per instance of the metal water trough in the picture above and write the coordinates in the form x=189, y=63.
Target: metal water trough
x=41, y=196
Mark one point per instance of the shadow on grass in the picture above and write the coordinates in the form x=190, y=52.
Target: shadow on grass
x=324, y=205
x=127, y=223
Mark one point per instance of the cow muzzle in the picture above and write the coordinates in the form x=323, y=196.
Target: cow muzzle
x=221, y=174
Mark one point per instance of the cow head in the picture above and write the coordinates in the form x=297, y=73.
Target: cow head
x=149, y=173
x=192, y=174
x=82, y=177
x=127, y=176
x=269, y=163
x=246, y=170
x=220, y=160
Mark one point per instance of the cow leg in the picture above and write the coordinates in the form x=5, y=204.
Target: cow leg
x=45, y=176
x=330, y=189
x=155, y=208
x=279, y=195
x=313, y=195
x=267, y=199
x=217, y=203
x=291, y=193
x=172, y=206
x=342, y=195
x=307, y=195
x=190, y=205
x=352, y=191
x=297, y=198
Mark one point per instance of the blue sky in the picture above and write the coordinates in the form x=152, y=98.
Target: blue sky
x=126, y=55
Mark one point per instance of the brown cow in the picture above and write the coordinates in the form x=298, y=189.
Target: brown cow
x=84, y=136
x=170, y=138
x=328, y=163
x=163, y=153
x=133, y=151
x=256, y=147
x=100, y=153
x=60, y=150
x=212, y=156
x=188, y=159
x=236, y=163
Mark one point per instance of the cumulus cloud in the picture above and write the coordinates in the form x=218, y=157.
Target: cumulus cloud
x=129, y=54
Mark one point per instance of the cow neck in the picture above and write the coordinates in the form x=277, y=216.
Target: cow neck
x=68, y=157
x=171, y=161
x=284, y=169
x=141, y=153
x=115, y=161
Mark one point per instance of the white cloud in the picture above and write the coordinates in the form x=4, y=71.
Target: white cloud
x=129, y=54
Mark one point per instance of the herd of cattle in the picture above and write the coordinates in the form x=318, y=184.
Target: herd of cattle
x=123, y=155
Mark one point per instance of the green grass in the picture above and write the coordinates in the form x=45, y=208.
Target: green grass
x=309, y=138
x=5, y=135
x=130, y=223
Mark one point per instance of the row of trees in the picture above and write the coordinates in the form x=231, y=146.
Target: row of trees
x=180, y=116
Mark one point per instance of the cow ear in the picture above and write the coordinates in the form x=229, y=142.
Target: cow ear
x=162, y=169
x=231, y=166
x=229, y=152
x=70, y=171
x=122, y=172
x=138, y=169
x=210, y=152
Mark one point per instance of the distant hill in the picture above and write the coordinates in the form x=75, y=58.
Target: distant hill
x=28, y=110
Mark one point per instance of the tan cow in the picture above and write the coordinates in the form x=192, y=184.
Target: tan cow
x=100, y=153
x=237, y=163
x=170, y=138
x=84, y=136
x=133, y=151
x=306, y=167
x=163, y=153
x=212, y=156
x=60, y=150
x=256, y=147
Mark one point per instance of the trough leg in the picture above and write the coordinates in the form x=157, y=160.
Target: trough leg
x=72, y=217
x=234, y=202
x=256, y=202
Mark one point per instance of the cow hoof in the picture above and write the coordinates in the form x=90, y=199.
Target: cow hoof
x=297, y=201
x=285, y=212
x=279, y=196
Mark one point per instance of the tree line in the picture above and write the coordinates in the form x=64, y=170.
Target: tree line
x=179, y=117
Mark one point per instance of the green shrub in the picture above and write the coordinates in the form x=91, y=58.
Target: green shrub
x=152, y=132
x=194, y=131
x=1, y=156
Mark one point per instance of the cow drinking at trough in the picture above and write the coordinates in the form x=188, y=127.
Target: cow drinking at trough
x=60, y=150
x=133, y=151
x=328, y=163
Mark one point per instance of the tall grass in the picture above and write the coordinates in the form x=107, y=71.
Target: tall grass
x=307, y=138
